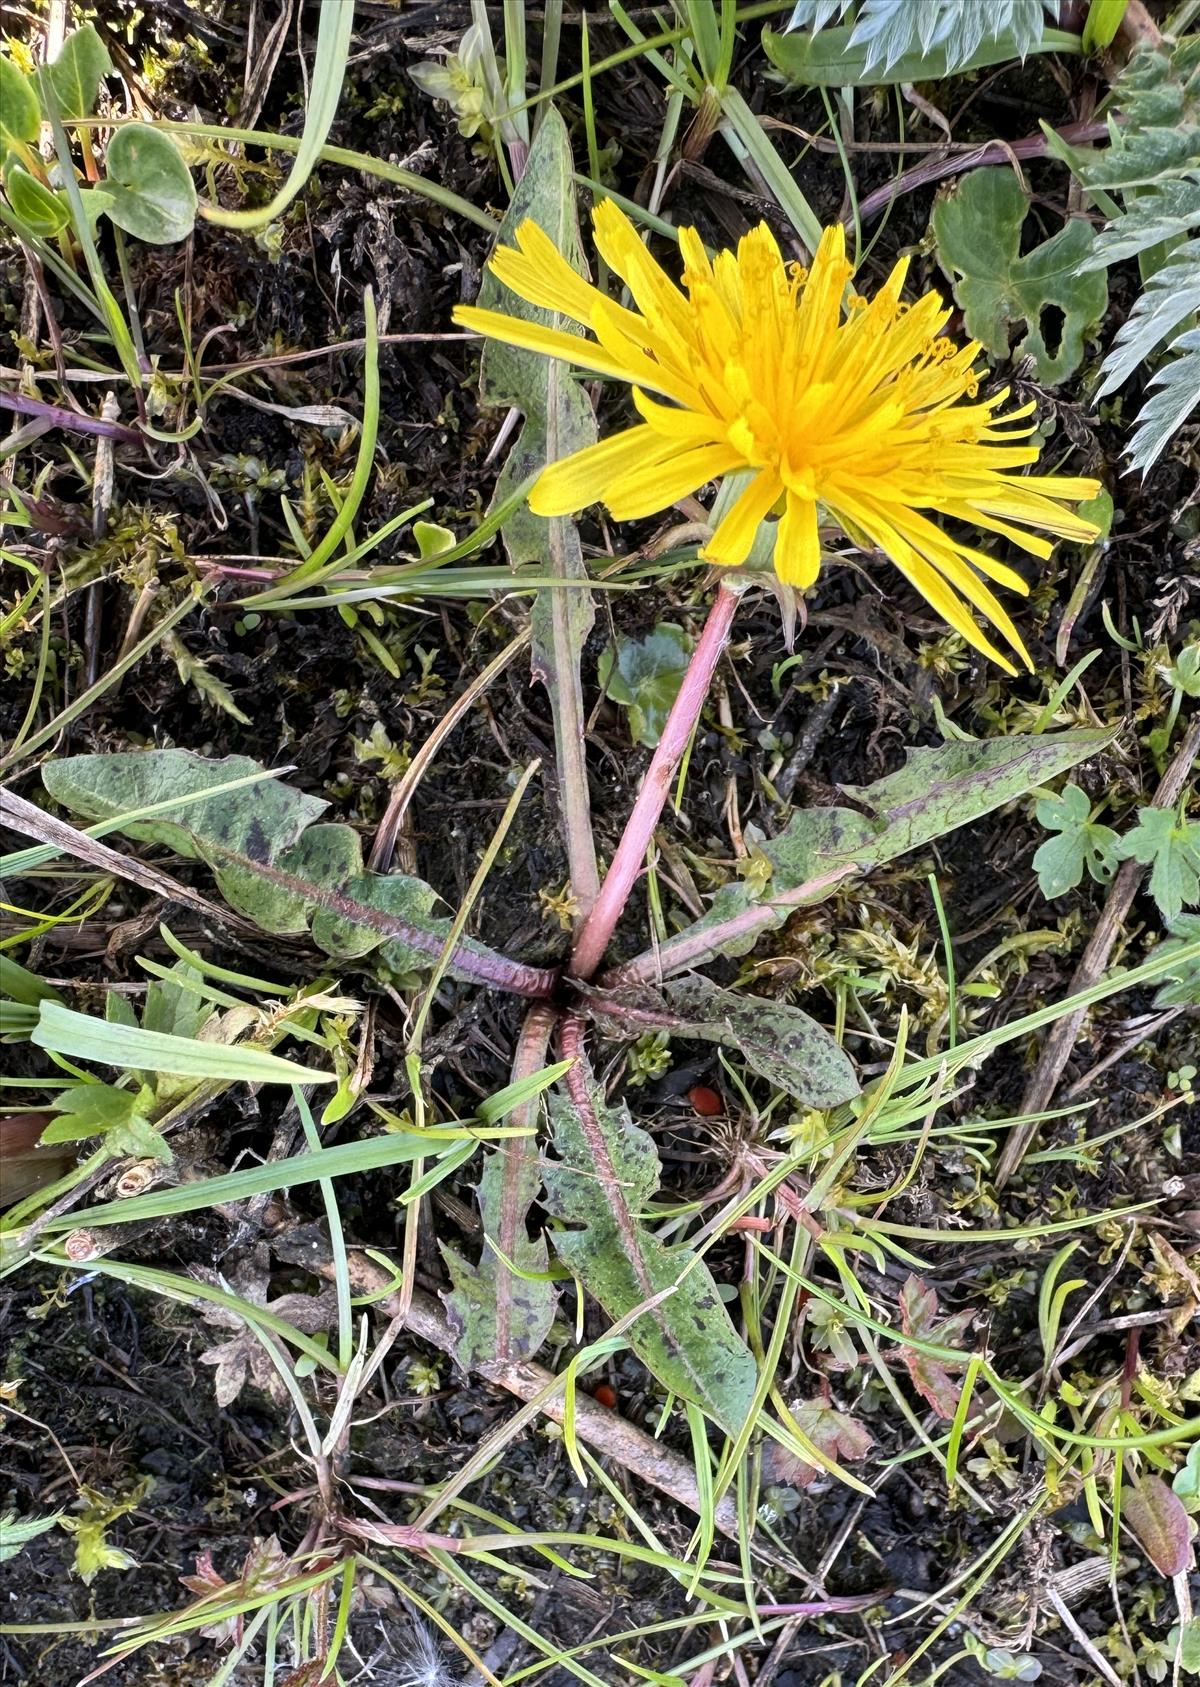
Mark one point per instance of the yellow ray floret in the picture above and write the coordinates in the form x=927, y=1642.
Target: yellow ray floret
x=867, y=417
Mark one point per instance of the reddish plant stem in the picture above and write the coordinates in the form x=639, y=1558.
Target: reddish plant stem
x=692, y=948
x=988, y=152
x=598, y=927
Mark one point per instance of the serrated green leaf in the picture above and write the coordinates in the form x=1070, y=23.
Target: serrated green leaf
x=488, y=1325
x=20, y=114
x=150, y=189
x=644, y=676
x=78, y=71
x=904, y=41
x=271, y=863
x=1170, y=847
x=16, y=1532
x=606, y=1171
x=37, y=206
x=1173, y=394
x=1081, y=843
x=978, y=231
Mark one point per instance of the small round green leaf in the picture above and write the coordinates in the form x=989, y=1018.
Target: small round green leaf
x=153, y=197
x=20, y=116
x=37, y=206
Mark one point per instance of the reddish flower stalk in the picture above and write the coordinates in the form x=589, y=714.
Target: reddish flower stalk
x=598, y=927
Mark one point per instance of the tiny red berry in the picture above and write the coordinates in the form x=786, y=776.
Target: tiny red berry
x=704, y=1101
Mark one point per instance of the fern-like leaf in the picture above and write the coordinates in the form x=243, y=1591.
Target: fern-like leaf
x=1166, y=211
x=1175, y=393
x=893, y=29
x=1172, y=294
x=1153, y=163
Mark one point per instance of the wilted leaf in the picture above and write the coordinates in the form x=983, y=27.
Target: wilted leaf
x=606, y=1171
x=644, y=676
x=1160, y=1521
x=271, y=863
x=150, y=190
x=838, y=1435
x=243, y=1358
x=494, y=1313
x=778, y=1041
x=93, y=1550
x=1081, y=843
x=919, y=1317
x=978, y=232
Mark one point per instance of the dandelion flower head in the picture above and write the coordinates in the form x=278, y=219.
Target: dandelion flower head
x=838, y=408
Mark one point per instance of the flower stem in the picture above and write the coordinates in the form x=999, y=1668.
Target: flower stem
x=598, y=927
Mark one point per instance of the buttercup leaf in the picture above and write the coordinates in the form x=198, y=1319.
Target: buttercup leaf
x=978, y=231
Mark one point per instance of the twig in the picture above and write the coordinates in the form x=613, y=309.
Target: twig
x=1039, y=1092
x=629, y=1447
x=73, y=420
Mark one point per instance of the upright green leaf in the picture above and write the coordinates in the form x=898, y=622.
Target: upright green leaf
x=558, y=420
x=978, y=231
x=325, y=90
x=78, y=71
x=37, y=206
x=606, y=1171
x=20, y=115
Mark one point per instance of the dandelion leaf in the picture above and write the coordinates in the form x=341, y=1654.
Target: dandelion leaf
x=605, y=1172
x=498, y=1314
x=271, y=862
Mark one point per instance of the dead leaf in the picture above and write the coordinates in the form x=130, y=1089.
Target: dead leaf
x=919, y=1317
